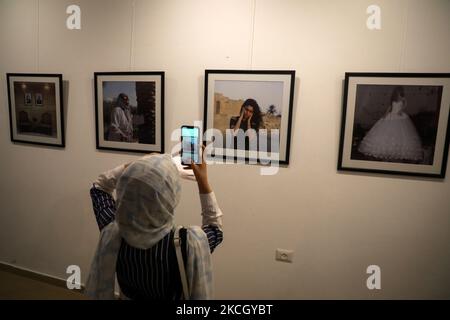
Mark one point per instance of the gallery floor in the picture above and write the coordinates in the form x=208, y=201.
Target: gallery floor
x=20, y=287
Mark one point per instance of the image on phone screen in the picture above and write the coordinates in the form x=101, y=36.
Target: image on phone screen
x=190, y=139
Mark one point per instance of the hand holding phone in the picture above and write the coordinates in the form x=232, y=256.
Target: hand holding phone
x=192, y=156
x=201, y=174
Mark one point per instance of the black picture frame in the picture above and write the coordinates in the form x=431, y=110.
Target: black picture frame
x=395, y=123
x=146, y=90
x=274, y=116
x=41, y=124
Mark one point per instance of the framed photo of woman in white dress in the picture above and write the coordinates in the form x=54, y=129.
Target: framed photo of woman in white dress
x=395, y=123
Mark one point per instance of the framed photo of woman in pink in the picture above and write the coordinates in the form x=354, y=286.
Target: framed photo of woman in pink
x=395, y=123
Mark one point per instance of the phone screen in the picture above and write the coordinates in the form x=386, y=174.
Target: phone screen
x=190, y=140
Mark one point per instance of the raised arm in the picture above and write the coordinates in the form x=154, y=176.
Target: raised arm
x=107, y=180
x=211, y=213
x=101, y=194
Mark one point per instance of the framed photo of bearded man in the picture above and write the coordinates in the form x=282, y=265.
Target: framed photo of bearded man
x=129, y=111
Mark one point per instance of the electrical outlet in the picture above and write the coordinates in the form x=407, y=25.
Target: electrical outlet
x=284, y=255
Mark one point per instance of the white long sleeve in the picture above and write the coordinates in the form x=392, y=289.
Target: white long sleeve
x=211, y=213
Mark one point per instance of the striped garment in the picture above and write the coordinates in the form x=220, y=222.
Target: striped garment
x=146, y=273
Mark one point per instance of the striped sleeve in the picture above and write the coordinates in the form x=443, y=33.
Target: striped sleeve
x=104, y=207
x=211, y=213
x=215, y=236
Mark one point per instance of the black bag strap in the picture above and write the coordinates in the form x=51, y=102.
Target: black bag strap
x=183, y=237
x=181, y=258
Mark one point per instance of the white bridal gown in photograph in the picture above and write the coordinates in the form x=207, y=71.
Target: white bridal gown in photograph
x=393, y=137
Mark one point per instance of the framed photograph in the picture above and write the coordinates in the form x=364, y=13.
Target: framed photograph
x=31, y=122
x=248, y=114
x=395, y=123
x=129, y=109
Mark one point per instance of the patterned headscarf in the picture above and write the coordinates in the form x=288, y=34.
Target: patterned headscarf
x=147, y=193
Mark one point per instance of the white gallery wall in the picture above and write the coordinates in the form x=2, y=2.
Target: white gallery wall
x=337, y=223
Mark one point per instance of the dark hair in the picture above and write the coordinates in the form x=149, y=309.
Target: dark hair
x=121, y=96
x=256, y=118
x=120, y=102
x=398, y=94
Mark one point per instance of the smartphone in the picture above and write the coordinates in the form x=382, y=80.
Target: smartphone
x=190, y=144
